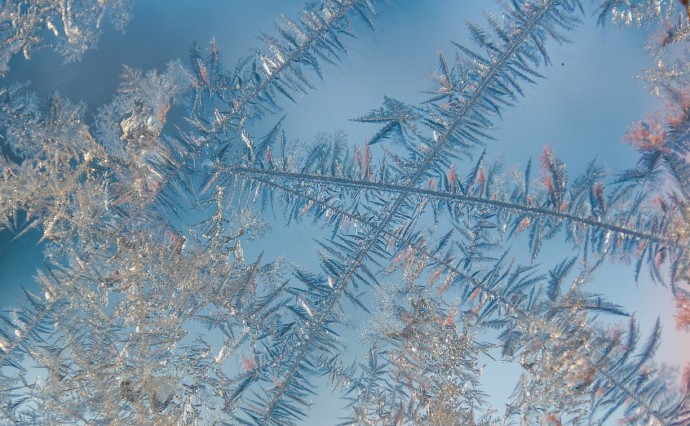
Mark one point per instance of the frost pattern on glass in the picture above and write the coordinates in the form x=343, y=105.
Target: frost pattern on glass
x=74, y=26
x=145, y=220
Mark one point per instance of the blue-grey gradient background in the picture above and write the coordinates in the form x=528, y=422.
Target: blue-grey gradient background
x=582, y=109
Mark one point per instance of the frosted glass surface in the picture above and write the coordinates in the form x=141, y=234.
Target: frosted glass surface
x=344, y=212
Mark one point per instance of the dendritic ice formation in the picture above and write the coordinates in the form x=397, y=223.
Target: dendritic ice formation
x=70, y=26
x=150, y=312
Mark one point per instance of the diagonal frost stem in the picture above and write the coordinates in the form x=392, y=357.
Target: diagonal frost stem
x=237, y=107
x=507, y=303
x=390, y=211
x=449, y=196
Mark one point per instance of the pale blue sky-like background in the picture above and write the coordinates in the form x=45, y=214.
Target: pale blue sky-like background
x=582, y=109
